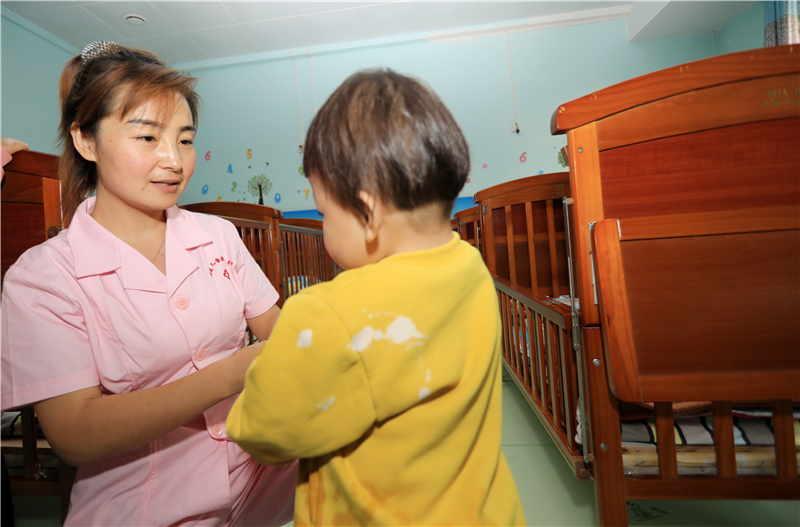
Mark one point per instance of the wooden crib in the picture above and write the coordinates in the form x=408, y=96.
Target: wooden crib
x=684, y=226
x=289, y=251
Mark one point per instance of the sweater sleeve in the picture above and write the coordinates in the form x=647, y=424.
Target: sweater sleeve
x=306, y=394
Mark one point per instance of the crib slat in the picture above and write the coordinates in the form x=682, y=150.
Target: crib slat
x=566, y=388
x=552, y=379
x=723, y=440
x=531, y=247
x=512, y=262
x=665, y=432
x=540, y=354
x=785, y=448
x=551, y=231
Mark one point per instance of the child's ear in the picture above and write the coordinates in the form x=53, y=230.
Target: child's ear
x=83, y=144
x=374, y=217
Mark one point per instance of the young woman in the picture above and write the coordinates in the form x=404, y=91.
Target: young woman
x=125, y=331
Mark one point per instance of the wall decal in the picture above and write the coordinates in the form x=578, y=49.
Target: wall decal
x=277, y=198
x=523, y=157
x=259, y=186
x=208, y=155
x=205, y=189
x=249, y=153
x=219, y=198
x=485, y=165
x=307, y=191
x=230, y=169
x=300, y=170
x=234, y=186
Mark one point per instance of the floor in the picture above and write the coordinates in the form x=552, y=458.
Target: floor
x=551, y=496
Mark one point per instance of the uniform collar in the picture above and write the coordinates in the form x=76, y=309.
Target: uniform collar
x=97, y=251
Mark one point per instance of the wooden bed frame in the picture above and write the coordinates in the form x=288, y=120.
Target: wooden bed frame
x=290, y=251
x=685, y=231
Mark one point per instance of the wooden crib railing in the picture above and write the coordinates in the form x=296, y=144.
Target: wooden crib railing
x=523, y=229
x=304, y=260
x=538, y=349
x=467, y=223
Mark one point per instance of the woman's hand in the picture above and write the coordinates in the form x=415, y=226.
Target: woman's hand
x=236, y=366
x=13, y=146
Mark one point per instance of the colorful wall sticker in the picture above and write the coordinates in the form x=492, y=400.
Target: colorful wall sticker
x=208, y=155
x=249, y=153
x=259, y=186
x=205, y=189
x=230, y=169
x=523, y=157
x=277, y=198
x=233, y=188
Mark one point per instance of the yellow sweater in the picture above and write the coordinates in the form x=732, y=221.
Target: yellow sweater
x=386, y=383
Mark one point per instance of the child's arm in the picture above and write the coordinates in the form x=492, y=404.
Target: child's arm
x=306, y=394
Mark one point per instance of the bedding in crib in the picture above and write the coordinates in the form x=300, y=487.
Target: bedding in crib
x=694, y=443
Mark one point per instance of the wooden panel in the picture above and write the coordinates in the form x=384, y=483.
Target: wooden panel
x=716, y=222
x=764, y=99
x=785, y=446
x=605, y=447
x=754, y=277
x=21, y=188
x=665, y=441
x=21, y=227
x=247, y=211
x=511, y=187
x=615, y=313
x=703, y=487
x=734, y=67
x=723, y=440
x=705, y=171
x=584, y=171
x=741, y=386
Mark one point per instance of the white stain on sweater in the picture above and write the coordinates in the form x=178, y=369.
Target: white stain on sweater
x=401, y=330
x=304, y=339
x=324, y=405
x=424, y=392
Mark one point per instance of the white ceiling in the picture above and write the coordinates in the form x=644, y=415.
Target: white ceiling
x=187, y=31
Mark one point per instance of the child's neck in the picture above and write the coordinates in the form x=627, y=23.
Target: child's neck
x=417, y=230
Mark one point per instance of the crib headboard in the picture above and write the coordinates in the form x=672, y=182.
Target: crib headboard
x=31, y=210
x=523, y=233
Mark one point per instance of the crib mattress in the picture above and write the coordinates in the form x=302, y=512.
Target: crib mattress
x=642, y=460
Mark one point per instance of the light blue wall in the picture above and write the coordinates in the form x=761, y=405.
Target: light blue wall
x=251, y=102
x=254, y=104
x=32, y=60
x=744, y=31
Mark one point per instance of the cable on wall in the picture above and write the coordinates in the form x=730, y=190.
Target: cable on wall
x=297, y=89
x=311, y=65
x=513, y=96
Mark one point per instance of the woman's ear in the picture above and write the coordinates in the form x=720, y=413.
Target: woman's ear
x=374, y=218
x=84, y=144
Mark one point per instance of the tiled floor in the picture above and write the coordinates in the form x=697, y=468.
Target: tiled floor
x=551, y=496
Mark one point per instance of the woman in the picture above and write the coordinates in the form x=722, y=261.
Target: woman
x=125, y=330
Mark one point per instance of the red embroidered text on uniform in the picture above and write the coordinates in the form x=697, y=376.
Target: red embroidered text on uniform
x=224, y=262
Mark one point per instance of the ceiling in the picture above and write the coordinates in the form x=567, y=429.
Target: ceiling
x=187, y=31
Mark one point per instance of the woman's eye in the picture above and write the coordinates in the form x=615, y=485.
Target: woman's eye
x=147, y=138
x=187, y=142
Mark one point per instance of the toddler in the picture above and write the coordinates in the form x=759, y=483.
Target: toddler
x=386, y=381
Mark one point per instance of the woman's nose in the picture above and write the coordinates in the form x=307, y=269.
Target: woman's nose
x=170, y=156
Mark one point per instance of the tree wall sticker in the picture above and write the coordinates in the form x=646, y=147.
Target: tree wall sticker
x=260, y=186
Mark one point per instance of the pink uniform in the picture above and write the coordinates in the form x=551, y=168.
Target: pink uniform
x=85, y=309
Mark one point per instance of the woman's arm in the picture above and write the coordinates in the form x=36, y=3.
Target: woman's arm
x=85, y=426
x=262, y=325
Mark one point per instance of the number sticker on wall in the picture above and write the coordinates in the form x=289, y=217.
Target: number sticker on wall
x=249, y=153
x=523, y=157
x=300, y=170
x=205, y=189
x=230, y=169
x=307, y=191
x=277, y=198
x=208, y=155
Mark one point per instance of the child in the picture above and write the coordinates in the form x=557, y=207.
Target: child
x=386, y=381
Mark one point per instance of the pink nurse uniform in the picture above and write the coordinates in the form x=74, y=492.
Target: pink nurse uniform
x=85, y=309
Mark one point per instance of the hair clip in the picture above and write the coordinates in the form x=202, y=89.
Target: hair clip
x=95, y=49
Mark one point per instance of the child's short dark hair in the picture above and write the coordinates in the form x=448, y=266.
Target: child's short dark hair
x=388, y=134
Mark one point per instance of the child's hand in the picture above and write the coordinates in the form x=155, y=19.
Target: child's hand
x=236, y=366
x=13, y=146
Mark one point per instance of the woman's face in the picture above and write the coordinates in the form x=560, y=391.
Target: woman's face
x=144, y=159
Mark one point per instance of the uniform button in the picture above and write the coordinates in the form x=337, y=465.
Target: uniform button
x=182, y=303
x=217, y=430
x=201, y=354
